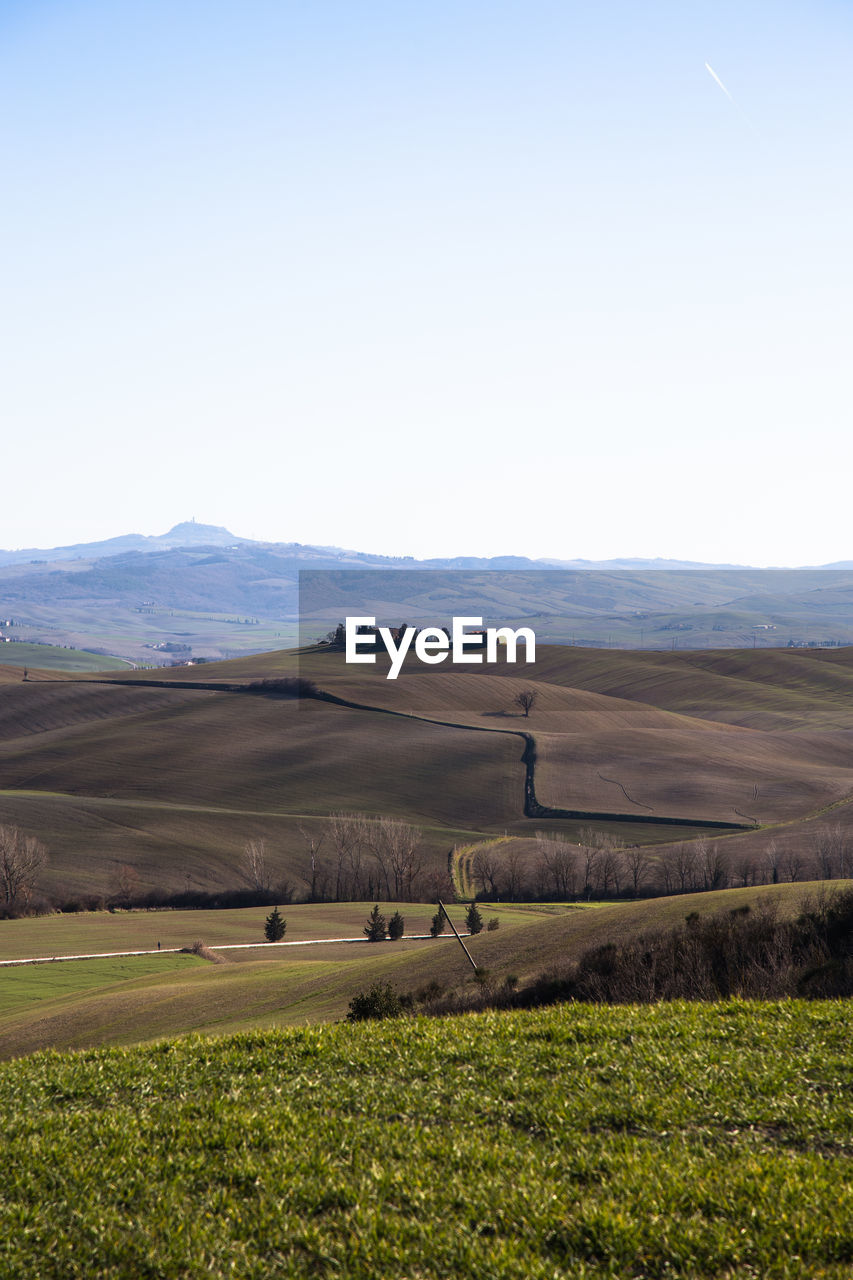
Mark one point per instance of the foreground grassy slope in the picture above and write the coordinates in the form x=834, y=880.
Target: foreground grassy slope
x=694, y=1141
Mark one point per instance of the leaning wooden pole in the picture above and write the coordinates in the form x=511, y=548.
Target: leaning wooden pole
x=458, y=939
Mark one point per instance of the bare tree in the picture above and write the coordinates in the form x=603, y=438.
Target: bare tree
x=772, y=861
x=603, y=865
x=513, y=875
x=372, y=858
x=395, y=846
x=125, y=884
x=744, y=868
x=667, y=875
x=436, y=884
x=823, y=848
x=486, y=868
x=637, y=863
x=253, y=865
x=590, y=857
x=838, y=850
x=610, y=865
x=683, y=864
x=713, y=865
x=346, y=831
x=22, y=858
x=526, y=700
x=319, y=874
x=793, y=864
x=559, y=862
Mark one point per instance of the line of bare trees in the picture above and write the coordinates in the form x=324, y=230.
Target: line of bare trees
x=356, y=858
x=602, y=866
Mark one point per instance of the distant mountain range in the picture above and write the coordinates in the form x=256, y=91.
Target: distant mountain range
x=190, y=534
x=201, y=591
x=186, y=534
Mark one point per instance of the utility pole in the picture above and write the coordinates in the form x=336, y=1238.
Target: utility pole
x=458, y=939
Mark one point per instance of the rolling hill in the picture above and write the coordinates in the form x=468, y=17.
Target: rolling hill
x=170, y=773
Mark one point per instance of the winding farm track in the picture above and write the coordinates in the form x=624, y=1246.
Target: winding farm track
x=532, y=807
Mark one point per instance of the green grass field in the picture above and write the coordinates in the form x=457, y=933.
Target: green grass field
x=130, y=632
x=83, y=1003
x=86, y=1003
x=99, y=931
x=49, y=657
x=672, y=1141
x=23, y=988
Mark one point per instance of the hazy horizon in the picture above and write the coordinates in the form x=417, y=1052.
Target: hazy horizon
x=463, y=278
x=460, y=552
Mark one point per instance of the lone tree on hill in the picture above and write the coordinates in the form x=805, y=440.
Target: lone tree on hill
x=526, y=700
x=473, y=919
x=275, y=926
x=396, y=925
x=375, y=929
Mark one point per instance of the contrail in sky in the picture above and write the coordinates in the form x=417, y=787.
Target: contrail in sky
x=713, y=73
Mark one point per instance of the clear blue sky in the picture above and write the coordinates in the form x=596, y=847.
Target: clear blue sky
x=430, y=278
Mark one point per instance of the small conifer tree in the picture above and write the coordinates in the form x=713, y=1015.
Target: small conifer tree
x=274, y=926
x=375, y=929
x=473, y=919
x=437, y=926
x=396, y=925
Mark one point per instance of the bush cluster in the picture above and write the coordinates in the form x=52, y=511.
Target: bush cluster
x=747, y=953
x=282, y=687
x=378, y=1002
